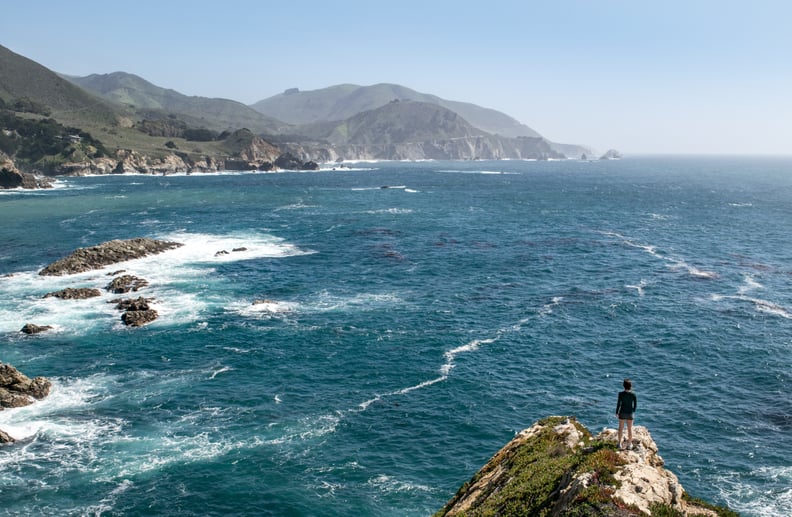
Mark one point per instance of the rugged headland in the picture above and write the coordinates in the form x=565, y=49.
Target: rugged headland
x=556, y=467
x=54, y=125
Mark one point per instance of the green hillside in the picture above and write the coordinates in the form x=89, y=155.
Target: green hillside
x=151, y=101
x=26, y=80
x=394, y=123
x=346, y=100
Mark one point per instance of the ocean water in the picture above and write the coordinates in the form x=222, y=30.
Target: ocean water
x=404, y=334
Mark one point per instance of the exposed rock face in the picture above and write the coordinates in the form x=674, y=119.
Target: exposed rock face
x=17, y=390
x=5, y=437
x=126, y=283
x=31, y=328
x=137, y=311
x=289, y=161
x=556, y=467
x=111, y=252
x=11, y=177
x=139, y=318
x=72, y=293
x=133, y=304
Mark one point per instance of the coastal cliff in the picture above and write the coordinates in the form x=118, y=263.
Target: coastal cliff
x=556, y=467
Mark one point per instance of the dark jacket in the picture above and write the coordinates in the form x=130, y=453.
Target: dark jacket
x=627, y=403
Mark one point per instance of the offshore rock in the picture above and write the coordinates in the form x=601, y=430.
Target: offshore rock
x=111, y=252
x=72, y=293
x=139, y=318
x=133, y=304
x=556, y=467
x=17, y=390
x=31, y=328
x=5, y=437
x=126, y=283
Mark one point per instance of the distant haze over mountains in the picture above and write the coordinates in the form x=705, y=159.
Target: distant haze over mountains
x=345, y=100
x=120, y=122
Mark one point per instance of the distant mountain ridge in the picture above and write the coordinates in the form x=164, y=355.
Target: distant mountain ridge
x=119, y=122
x=414, y=130
x=135, y=92
x=22, y=78
x=342, y=101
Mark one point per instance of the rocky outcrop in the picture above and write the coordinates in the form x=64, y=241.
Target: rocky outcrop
x=74, y=293
x=556, y=467
x=111, y=252
x=126, y=283
x=137, y=311
x=139, y=318
x=31, y=328
x=17, y=390
x=611, y=154
x=11, y=177
x=5, y=437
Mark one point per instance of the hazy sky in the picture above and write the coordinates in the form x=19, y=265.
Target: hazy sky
x=668, y=76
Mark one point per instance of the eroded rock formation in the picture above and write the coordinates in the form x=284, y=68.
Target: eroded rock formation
x=556, y=467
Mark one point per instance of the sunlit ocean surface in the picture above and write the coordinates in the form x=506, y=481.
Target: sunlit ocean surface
x=367, y=349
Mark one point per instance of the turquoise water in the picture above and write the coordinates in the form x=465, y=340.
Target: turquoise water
x=405, y=334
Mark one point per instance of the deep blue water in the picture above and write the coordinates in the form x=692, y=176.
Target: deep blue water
x=405, y=334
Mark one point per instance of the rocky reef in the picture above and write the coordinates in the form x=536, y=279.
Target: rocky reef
x=556, y=467
x=111, y=252
x=17, y=390
x=135, y=312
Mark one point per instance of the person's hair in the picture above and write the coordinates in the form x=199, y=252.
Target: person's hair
x=627, y=384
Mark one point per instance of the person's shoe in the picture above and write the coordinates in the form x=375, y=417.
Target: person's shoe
x=629, y=445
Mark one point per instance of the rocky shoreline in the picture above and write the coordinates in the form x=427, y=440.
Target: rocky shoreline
x=557, y=467
x=257, y=155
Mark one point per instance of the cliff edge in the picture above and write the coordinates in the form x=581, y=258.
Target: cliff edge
x=556, y=467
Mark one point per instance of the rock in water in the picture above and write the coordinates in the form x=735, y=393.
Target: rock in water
x=17, y=390
x=111, y=252
x=72, y=293
x=5, y=437
x=139, y=318
x=31, y=328
x=126, y=283
x=556, y=467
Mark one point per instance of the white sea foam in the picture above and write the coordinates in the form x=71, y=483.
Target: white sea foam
x=773, y=500
x=674, y=263
x=547, y=308
x=172, y=277
x=445, y=370
x=51, y=416
x=638, y=287
x=749, y=284
x=263, y=308
x=389, y=484
x=760, y=305
x=393, y=211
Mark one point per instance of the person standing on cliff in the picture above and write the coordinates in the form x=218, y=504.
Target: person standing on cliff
x=625, y=407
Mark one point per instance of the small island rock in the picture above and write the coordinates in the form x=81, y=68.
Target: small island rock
x=31, y=328
x=75, y=293
x=17, y=390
